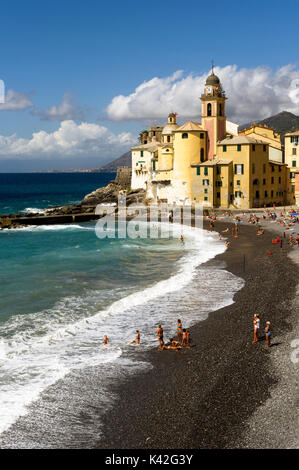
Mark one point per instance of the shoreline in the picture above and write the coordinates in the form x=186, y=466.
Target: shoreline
x=208, y=397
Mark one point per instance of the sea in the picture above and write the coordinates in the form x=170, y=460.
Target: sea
x=63, y=289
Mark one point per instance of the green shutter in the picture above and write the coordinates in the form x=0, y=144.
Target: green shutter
x=239, y=148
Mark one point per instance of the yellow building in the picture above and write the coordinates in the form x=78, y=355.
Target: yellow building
x=268, y=136
x=291, y=143
x=210, y=164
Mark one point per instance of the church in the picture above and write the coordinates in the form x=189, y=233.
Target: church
x=212, y=163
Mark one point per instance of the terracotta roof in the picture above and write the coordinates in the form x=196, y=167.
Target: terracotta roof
x=215, y=161
x=190, y=126
x=151, y=146
x=240, y=139
x=292, y=133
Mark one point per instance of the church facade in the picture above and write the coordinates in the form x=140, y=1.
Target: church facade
x=211, y=163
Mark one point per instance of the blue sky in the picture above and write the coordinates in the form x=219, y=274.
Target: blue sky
x=67, y=61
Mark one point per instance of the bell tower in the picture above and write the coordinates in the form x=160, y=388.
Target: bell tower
x=213, y=117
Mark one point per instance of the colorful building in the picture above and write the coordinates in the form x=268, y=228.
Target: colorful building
x=210, y=163
x=292, y=160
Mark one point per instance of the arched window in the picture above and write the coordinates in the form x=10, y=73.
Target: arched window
x=202, y=155
x=220, y=109
x=209, y=109
x=185, y=135
x=168, y=138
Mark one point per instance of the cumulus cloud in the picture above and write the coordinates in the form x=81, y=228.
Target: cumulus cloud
x=16, y=101
x=68, y=109
x=70, y=140
x=252, y=94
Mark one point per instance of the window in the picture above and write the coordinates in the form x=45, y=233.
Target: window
x=141, y=153
x=239, y=169
x=238, y=194
x=185, y=135
x=202, y=136
x=202, y=155
x=205, y=182
x=257, y=194
x=154, y=165
x=294, y=151
x=205, y=171
x=167, y=150
x=279, y=180
x=220, y=109
x=224, y=148
x=292, y=174
x=205, y=198
x=198, y=170
x=264, y=148
x=218, y=183
x=294, y=163
x=253, y=168
x=218, y=169
x=272, y=168
x=206, y=191
x=264, y=168
x=209, y=109
x=256, y=181
x=239, y=148
x=266, y=193
x=272, y=179
x=168, y=138
x=218, y=195
x=272, y=193
x=238, y=183
x=294, y=139
x=264, y=181
x=279, y=169
x=253, y=147
x=293, y=188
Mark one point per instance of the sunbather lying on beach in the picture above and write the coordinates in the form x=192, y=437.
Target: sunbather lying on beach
x=174, y=345
x=260, y=232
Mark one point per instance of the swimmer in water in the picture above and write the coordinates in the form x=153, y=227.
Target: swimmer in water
x=182, y=240
x=137, y=339
x=106, y=341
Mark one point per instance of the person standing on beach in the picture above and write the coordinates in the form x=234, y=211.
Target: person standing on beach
x=106, y=341
x=180, y=331
x=188, y=338
x=160, y=336
x=268, y=335
x=256, y=326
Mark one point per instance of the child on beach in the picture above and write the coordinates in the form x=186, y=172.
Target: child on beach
x=268, y=334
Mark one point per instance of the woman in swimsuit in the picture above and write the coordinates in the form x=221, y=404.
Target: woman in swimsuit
x=256, y=326
x=268, y=334
x=180, y=331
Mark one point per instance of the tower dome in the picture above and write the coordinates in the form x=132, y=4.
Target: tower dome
x=212, y=79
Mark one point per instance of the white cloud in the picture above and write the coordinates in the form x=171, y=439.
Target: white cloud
x=16, y=101
x=66, y=110
x=252, y=94
x=70, y=140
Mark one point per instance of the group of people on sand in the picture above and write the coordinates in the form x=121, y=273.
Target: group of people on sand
x=256, y=328
x=183, y=338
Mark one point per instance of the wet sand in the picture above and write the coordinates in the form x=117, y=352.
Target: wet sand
x=210, y=396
